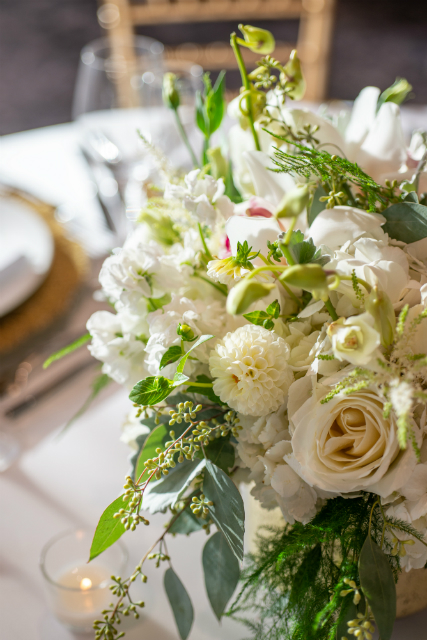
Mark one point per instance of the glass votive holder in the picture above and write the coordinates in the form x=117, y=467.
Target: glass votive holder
x=77, y=590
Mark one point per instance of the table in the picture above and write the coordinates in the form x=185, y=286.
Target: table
x=67, y=481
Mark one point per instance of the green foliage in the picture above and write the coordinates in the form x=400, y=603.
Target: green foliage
x=399, y=91
x=205, y=391
x=156, y=439
x=186, y=523
x=66, y=350
x=317, y=205
x=227, y=511
x=172, y=355
x=221, y=571
x=265, y=318
x=151, y=390
x=376, y=579
x=221, y=452
x=291, y=586
x=210, y=107
x=180, y=603
x=304, y=251
x=406, y=221
x=230, y=188
x=157, y=303
x=169, y=489
x=109, y=529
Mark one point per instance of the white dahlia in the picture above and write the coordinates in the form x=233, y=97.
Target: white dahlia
x=250, y=370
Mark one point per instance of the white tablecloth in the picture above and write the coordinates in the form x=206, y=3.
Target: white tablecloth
x=63, y=482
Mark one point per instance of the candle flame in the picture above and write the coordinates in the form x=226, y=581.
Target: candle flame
x=85, y=584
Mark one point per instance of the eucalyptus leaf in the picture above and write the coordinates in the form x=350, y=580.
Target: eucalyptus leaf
x=151, y=390
x=180, y=603
x=186, y=523
x=157, y=438
x=376, y=579
x=227, y=511
x=406, y=221
x=221, y=452
x=109, y=529
x=166, y=492
x=172, y=355
x=221, y=571
x=316, y=206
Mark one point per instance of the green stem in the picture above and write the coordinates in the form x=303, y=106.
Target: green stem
x=331, y=310
x=247, y=86
x=198, y=384
x=288, y=255
x=185, y=138
x=291, y=293
x=202, y=237
x=359, y=280
x=267, y=268
x=205, y=159
x=287, y=238
x=222, y=288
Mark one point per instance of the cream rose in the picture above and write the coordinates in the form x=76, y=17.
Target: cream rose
x=347, y=445
x=355, y=339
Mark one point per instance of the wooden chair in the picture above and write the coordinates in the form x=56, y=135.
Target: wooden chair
x=120, y=17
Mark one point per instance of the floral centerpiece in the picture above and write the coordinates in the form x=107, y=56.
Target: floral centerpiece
x=269, y=319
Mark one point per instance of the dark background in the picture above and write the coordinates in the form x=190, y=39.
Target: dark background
x=374, y=41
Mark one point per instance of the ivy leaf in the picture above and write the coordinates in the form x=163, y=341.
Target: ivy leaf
x=376, y=579
x=205, y=391
x=172, y=355
x=151, y=390
x=273, y=309
x=201, y=340
x=109, y=529
x=186, y=523
x=180, y=603
x=66, y=350
x=221, y=452
x=316, y=206
x=222, y=572
x=257, y=317
x=227, y=511
x=406, y=221
x=169, y=489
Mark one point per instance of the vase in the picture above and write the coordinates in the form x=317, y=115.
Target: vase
x=411, y=588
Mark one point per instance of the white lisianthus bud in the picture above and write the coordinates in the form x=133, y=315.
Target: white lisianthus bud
x=256, y=39
x=379, y=306
x=355, y=339
x=293, y=203
x=294, y=77
x=310, y=277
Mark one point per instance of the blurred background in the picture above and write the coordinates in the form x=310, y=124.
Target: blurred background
x=40, y=40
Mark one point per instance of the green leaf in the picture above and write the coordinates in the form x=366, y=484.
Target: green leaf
x=200, y=113
x=151, y=390
x=297, y=236
x=98, y=384
x=169, y=489
x=317, y=206
x=157, y=303
x=221, y=452
x=347, y=613
x=66, y=350
x=180, y=603
x=172, y=355
x=256, y=317
x=205, y=391
x=201, y=340
x=376, y=579
x=109, y=529
x=221, y=571
x=411, y=197
x=268, y=324
x=230, y=188
x=157, y=438
x=227, y=511
x=215, y=104
x=307, y=572
x=273, y=309
x=179, y=378
x=186, y=523
x=406, y=221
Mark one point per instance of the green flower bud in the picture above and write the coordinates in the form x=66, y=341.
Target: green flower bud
x=293, y=203
x=310, y=277
x=379, y=305
x=294, y=77
x=219, y=165
x=171, y=97
x=397, y=93
x=256, y=39
x=245, y=293
x=185, y=332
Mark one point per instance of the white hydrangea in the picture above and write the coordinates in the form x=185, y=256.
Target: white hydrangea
x=205, y=317
x=251, y=371
x=203, y=197
x=263, y=443
x=120, y=349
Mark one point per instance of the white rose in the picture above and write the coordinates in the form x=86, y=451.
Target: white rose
x=355, y=339
x=334, y=227
x=347, y=445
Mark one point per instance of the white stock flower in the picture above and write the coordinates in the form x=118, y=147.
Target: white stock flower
x=121, y=351
x=355, y=339
x=250, y=370
x=205, y=317
x=346, y=444
x=203, y=197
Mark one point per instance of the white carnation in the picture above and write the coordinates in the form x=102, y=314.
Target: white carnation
x=250, y=370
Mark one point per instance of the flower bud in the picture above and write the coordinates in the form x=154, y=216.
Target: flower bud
x=218, y=164
x=397, y=93
x=294, y=77
x=256, y=39
x=310, y=277
x=293, y=203
x=379, y=305
x=245, y=293
x=171, y=97
x=185, y=332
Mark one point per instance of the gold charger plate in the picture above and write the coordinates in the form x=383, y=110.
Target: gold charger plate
x=54, y=296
